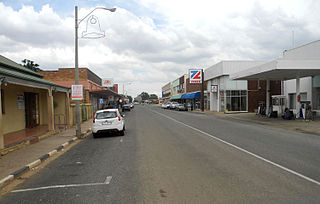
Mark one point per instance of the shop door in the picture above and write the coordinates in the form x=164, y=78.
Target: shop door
x=31, y=109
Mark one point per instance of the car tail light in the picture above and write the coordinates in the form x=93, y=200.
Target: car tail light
x=119, y=118
x=94, y=119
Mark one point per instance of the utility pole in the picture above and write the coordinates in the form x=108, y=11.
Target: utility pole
x=78, y=124
x=202, y=92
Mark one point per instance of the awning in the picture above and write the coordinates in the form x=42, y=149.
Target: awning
x=192, y=95
x=280, y=70
x=175, y=97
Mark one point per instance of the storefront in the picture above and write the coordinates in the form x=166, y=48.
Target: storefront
x=299, y=69
x=29, y=104
x=225, y=94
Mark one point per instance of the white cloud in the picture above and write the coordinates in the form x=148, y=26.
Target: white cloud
x=148, y=52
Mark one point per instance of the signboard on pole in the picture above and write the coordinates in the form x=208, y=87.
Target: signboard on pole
x=214, y=88
x=107, y=82
x=76, y=92
x=195, y=76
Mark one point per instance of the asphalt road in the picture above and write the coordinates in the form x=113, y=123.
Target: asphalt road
x=181, y=157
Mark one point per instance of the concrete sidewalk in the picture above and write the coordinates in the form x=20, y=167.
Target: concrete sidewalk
x=20, y=158
x=300, y=125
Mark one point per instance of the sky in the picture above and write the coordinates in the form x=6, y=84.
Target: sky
x=149, y=43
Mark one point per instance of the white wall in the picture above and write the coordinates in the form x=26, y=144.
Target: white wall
x=305, y=86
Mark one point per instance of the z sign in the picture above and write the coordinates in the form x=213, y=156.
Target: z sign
x=195, y=76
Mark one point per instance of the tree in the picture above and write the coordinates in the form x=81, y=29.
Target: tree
x=144, y=96
x=153, y=96
x=30, y=65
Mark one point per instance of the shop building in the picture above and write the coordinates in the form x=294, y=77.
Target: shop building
x=95, y=96
x=166, y=91
x=182, y=91
x=30, y=105
x=225, y=94
x=299, y=69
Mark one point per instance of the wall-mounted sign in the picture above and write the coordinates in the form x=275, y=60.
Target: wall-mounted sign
x=100, y=100
x=76, y=92
x=20, y=99
x=107, y=82
x=195, y=76
x=214, y=88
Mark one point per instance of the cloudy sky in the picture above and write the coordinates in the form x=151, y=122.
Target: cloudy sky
x=151, y=42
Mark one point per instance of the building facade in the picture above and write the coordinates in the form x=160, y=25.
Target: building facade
x=235, y=95
x=29, y=104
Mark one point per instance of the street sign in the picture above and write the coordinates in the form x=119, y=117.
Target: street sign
x=100, y=100
x=107, y=82
x=195, y=76
x=76, y=92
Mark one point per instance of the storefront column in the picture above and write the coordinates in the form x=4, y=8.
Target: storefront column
x=1, y=132
x=67, y=105
x=268, y=97
x=50, y=110
x=297, y=96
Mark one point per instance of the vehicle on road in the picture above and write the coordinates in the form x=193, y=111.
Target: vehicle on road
x=181, y=107
x=173, y=105
x=126, y=107
x=108, y=121
x=131, y=105
x=165, y=105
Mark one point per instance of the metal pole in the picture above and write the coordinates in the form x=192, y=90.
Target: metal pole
x=202, y=92
x=78, y=124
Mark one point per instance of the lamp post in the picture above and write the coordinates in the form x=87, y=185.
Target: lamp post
x=77, y=22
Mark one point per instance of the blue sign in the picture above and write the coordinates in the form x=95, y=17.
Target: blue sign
x=101, y=100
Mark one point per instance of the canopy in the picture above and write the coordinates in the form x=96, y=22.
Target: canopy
x=280, y=70
x=175, y=97
x=192, y=95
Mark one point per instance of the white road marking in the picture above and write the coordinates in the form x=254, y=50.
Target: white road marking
x=121, y=140
x=243, y=150
x=108, y=179
x=58, y=186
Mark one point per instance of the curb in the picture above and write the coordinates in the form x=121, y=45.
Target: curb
x=35, y=163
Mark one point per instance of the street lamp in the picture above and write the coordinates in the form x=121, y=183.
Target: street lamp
x=77, y=22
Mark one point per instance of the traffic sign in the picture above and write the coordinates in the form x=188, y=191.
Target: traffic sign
x=195, y=76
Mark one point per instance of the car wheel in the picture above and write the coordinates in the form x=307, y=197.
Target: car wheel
x=121, y=133
x=95, y=135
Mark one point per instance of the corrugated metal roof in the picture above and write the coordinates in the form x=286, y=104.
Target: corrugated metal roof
x=7, y=62
x=20, y=75
x=12, y=69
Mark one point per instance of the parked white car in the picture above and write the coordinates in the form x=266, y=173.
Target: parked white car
x=108, y=121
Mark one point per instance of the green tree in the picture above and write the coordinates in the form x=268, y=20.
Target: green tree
x=144, y=96
x=153, y=96
x=31, y=65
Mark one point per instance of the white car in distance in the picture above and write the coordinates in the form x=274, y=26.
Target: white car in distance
x=108, y=121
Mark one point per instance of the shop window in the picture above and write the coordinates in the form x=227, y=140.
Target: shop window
x=236, y=100
x=2, y=101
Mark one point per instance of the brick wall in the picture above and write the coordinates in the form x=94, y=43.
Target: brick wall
x=194, y=87
x=65, y=74
x=255, y=95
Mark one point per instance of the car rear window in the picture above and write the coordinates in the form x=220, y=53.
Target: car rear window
x=106, y=114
